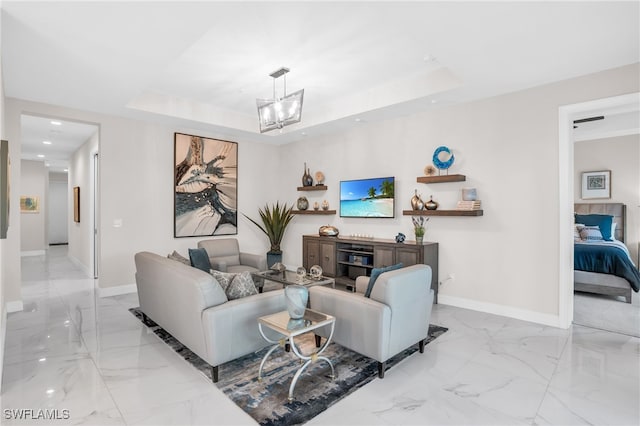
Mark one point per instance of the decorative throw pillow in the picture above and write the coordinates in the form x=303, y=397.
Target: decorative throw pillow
x=591, y=233
x=200, y=259
x=179, y=258
x=223, y=278
x=375, y=273
x=603, y=221
x=576, y=231
x=241, y=286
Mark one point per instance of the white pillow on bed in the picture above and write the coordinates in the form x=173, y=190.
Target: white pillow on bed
x=577, y=227
x=613, y=230
x=591, y=233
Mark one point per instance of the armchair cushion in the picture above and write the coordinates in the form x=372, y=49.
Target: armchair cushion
x=200, y=259
x=375, y=273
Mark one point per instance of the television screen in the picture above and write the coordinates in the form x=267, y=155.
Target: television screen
x=367, y=197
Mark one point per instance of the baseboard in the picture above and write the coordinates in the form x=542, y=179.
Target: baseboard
x=15, y=306
x=117, y=290
x=33, y=253
x=505, y=311
x=3, y=333
x=81, y=265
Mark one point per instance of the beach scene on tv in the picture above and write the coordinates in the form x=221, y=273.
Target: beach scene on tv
x=367, y=197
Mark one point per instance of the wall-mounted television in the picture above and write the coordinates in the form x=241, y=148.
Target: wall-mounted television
x=367, y=198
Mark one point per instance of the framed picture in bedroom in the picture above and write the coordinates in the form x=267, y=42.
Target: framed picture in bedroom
x=205, y=186
x=76, y=204
x=596, y=184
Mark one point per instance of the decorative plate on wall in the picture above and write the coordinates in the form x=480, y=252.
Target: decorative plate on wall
x=443, y=158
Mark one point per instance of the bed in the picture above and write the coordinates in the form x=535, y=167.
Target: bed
x=604, y=267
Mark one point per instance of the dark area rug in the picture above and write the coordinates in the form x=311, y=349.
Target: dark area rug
x=266, y=401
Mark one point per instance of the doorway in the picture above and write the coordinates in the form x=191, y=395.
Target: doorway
x=567, y=114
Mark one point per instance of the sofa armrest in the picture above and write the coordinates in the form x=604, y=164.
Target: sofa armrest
x=257, y=261
x=362, y=282
x=231, y=329
x=362, y=324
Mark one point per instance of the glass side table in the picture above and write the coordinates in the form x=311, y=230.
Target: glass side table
x=282, y=324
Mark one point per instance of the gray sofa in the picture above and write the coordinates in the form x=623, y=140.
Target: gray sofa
x=193, y=308
x=395, y=317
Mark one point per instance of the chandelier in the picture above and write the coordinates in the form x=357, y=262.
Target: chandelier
x=275, y=113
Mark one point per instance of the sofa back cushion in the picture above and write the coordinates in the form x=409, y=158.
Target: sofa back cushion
x=223, y=250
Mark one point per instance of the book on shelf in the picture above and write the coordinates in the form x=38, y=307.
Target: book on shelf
x=469, y=205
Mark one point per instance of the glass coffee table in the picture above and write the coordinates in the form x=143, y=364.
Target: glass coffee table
x=290, y=328
x=289, y=277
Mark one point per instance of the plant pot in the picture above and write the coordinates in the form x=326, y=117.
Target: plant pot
x=273, y=258
x=419, y=240
x=296, y=297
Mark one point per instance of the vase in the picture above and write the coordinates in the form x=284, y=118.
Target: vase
x=431, y=205
x=307, y=180
x=325, y=205
x=273, y=257
x=419, y=240
x=303, y=203
x=296, y=297
x=416, y=201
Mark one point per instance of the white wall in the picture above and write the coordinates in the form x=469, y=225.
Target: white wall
x=621, y=155
x=58, y=211
x=3, y=259
x=33, y=182
x=80, y=174
x=504, y=262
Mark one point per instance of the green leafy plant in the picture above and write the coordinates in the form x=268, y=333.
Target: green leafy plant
x=275, y=219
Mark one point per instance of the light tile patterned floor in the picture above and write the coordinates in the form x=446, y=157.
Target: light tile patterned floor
x=71, y=350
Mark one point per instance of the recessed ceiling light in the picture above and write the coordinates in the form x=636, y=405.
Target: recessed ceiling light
x=303, y=133
x=40, y=155
x=47, y=164
x=65, y=170
x=357, y=120
x=46, y=142
x=56, y=123
x=429, y=58
x=433, y=101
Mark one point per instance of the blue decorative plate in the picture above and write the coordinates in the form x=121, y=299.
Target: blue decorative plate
x=443, y=158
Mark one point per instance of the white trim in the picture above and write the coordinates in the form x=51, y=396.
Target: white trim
x=81, y=265
x=15, y=306
x=117, y=290
x=3, y=333
x=566, y=115
x=502, y=310
x=33, y=253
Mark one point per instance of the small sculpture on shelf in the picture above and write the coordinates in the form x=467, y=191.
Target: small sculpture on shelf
x=416, y=201
x=319, y=178
x=431, y=204
x=443, y=158
x=419, y=227
x=429, y=170
x=303, y=203
x=316, y=206
x=400, y=237
x=325, y=205
x=328, y=231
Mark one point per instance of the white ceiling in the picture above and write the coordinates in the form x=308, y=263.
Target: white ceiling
x=203, y=64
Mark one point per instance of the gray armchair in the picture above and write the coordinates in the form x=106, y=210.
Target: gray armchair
x=224, y=255
x=394, y=318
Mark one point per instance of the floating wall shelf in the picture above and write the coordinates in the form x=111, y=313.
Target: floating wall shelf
x=313, y=188
x=442, y=212
x=441, y=179
x=313, y=211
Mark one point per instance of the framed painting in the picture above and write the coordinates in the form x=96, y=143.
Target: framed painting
x=76, y=204
x=5, y=164
x=205, y=186
x=29, y=204
x=596, y=184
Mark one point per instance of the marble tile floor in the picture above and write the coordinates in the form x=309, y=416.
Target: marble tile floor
x=69, y=350
x=609, y=313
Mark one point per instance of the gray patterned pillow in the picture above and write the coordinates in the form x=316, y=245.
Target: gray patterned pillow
x=241, y=286
x=223, y=278
x=591, y=233
x=179, y=258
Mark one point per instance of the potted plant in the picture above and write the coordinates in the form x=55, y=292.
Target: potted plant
x=419, y=223
x=275, y=219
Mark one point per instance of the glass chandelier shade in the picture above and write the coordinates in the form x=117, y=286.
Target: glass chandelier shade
x=282, y=111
